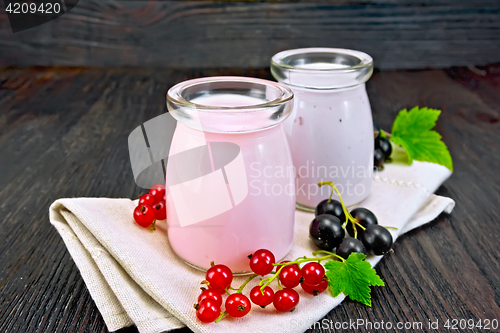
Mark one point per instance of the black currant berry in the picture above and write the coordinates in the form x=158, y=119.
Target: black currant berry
x=326, y=232
x=384, y=146
x=378, y=159
x=350, y=245
x=364, y=216
x=377, y=239
x=376, y=131
x=333, y=207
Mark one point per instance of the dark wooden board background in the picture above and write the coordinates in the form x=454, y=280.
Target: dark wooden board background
x=206, y=34
x=63, y=133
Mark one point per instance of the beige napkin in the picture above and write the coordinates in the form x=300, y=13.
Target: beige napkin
x=135, y=278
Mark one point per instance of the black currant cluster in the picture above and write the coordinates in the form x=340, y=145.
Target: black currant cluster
x=328, y=229
x=383, y=149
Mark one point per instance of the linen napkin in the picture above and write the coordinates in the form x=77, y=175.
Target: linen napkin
x=135, y=278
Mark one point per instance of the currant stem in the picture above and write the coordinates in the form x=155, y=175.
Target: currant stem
x=330, y=183
x=329, y=253
x=222, y=315
x=386, y=134
x=250, y=278
x=265, y=282
x=238, y=291
x=333, y=188
x=344, y=208
x=153, y=225
x=393, y=228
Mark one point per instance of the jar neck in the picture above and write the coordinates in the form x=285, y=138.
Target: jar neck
x=354, y=89
x=199, y=134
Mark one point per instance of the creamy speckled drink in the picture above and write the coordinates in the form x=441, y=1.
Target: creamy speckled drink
x=330, y=129
x=222, y=202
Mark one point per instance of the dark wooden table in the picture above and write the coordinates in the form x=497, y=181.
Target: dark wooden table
x=63, y=133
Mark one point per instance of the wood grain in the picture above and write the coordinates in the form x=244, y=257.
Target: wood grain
x=185, y=34
x=63, y=133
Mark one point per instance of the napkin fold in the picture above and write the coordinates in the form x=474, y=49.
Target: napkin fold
x=135, y=278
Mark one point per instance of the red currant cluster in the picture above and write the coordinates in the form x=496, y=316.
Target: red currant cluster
x=151, y=207
x=219, y=277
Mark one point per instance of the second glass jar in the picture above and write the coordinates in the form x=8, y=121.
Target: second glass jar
x=330, y=130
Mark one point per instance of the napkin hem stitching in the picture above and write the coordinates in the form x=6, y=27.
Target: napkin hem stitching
x=402, y=183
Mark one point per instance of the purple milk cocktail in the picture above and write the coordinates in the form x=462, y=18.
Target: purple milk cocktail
x=330, y=130
x=230, y=180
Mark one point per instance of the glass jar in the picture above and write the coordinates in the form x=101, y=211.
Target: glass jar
x=230, y=180
x=330, y=130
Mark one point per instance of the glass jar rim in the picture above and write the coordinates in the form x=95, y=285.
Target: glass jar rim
x=336, y=68
x=174, y=94
x=263, y=103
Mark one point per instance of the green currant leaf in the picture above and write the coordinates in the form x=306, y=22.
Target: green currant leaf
x=423, y=119
x=412, y=130
x=353, y=277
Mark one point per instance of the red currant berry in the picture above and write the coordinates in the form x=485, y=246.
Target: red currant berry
x=144, y=215
x=219, y=277
x=218, y=291
x=208, y=310
x=262, y=298
x=315, y=290
x=261, y=262
x=237, y=305
x=160, y=210
x=313, y=273
x=286, y=300
x=158, y=192
x=210, y=293
x=147, y=199
x=290, y=275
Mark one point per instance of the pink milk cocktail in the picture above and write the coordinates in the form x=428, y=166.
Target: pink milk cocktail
x=230, y=179
x=330, y=130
